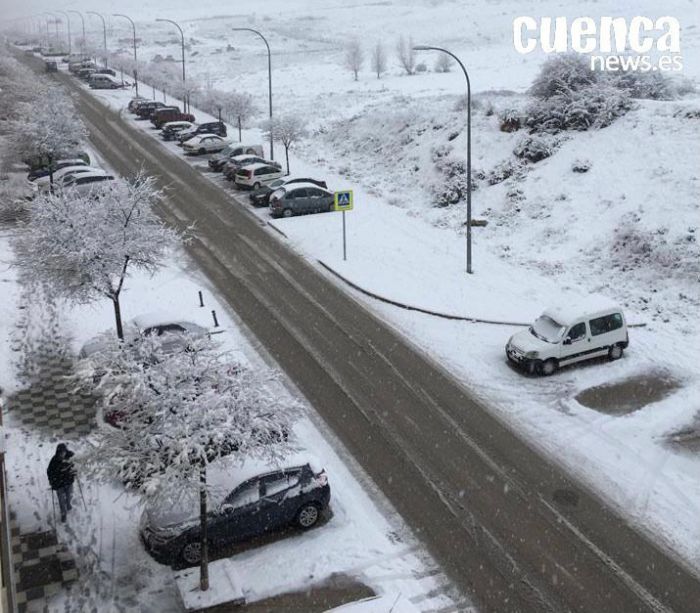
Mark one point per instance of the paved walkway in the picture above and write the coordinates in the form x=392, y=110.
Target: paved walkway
x=50, y=405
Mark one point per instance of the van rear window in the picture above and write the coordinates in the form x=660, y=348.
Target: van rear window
x=608, y=323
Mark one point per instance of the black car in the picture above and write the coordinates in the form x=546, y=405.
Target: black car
x=108, y=71
x=219, y=160
x=135, y=103
x=145, y=110
x=269, y=501
x=43, y=171
x=170, y=131
x=213, y=127
x=261, y=196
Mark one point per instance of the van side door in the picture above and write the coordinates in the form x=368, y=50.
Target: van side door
x=576, y=343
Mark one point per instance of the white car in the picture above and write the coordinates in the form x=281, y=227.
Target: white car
x=205, y=143
x=43, y=184
x=85, y=182
x=172, y=328
x=566, y=335
x=258, y=174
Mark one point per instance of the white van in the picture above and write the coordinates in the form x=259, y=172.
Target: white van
x=566, y=335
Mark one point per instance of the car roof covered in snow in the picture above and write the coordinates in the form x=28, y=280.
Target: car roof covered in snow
x=157, y=318
x=244, y=156
x=577, y=308
x=257, y=165
x=290, y=187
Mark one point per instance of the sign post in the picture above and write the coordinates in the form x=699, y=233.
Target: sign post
x=343, y=201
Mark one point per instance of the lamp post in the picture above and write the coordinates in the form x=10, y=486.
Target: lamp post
x=469, y=147
x=182, y=39
x=104, y=33
x=68, y=25
x=136, y=65
x=269, y=83
x=82, y=19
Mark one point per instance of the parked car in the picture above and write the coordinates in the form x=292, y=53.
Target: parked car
x=238, y=161
x=84, y=73
x=204, y=143
x=75, y=66
x=51, y=66
x=566, y=335
x=167, y=115
x=300, y=199
x=43, y=171
x=134, y=103
x=170, y=130
x=212, y=127
x=167, y=108
x=218, y=161
x=248, y=502
x=173, y=328
x=144, y=111
x=103, y=81
x=85, y=182
x=44, y=183
x=261, y=196
x=255, y=175
x=109, y=71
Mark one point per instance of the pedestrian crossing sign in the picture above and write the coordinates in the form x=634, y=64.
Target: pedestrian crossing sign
x=343, y=201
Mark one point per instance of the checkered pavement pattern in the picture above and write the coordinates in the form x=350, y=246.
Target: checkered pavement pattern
x=51, y=404
x=42, y=568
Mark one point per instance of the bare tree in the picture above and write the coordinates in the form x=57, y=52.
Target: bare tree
x=443, y=63
x=47, y=127
x=84, y=246
x=188, y=409
x=354, y=57
x=406, y=55
x=379, y=59
x=286, y=129
x=240, y=106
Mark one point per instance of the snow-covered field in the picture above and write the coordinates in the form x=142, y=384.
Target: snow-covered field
x=626, y=228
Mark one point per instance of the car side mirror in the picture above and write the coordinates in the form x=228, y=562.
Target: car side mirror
x=227, y=509
x=567, y=341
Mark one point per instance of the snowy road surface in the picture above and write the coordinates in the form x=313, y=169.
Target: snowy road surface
x=495, y=513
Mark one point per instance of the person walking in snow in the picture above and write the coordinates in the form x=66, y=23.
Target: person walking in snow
x=61, y=474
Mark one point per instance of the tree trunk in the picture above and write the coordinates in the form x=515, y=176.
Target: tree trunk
x=118, y=317
x=240, y=139
x=286, y=154
x=50, y=158
x=204, y=564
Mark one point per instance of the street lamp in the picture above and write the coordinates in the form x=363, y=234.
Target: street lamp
x=68, y=24
x=82, y=19
x=269, y=83
x=136, y=65
x=469, y=147
x=104, y=33
x=182, y=39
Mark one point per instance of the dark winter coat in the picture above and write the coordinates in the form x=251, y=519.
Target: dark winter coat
x=60, y=471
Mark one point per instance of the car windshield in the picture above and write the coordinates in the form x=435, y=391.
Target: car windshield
x=547, y=330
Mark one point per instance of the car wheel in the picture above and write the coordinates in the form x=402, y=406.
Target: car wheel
x=202, y=151
x=256, y=185
x=615, y=352
x=548, y=367
x=287, y=213
x=308, y=516
x=192, y=553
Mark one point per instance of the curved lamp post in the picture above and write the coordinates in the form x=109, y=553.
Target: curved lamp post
x=269, y=83
x=82, y=19
x=104, y=33
x=136, y=65
x=469, y=147
x=182, y=39
x=68, y=25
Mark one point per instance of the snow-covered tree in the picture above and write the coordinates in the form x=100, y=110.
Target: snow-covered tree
x=84, y=246
x=188, y=409
x=406, y=55
x=286, y=129
x=354, y=57
x=239, y=106
x=47, y=128
x=379, y=60
x=443, y=63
